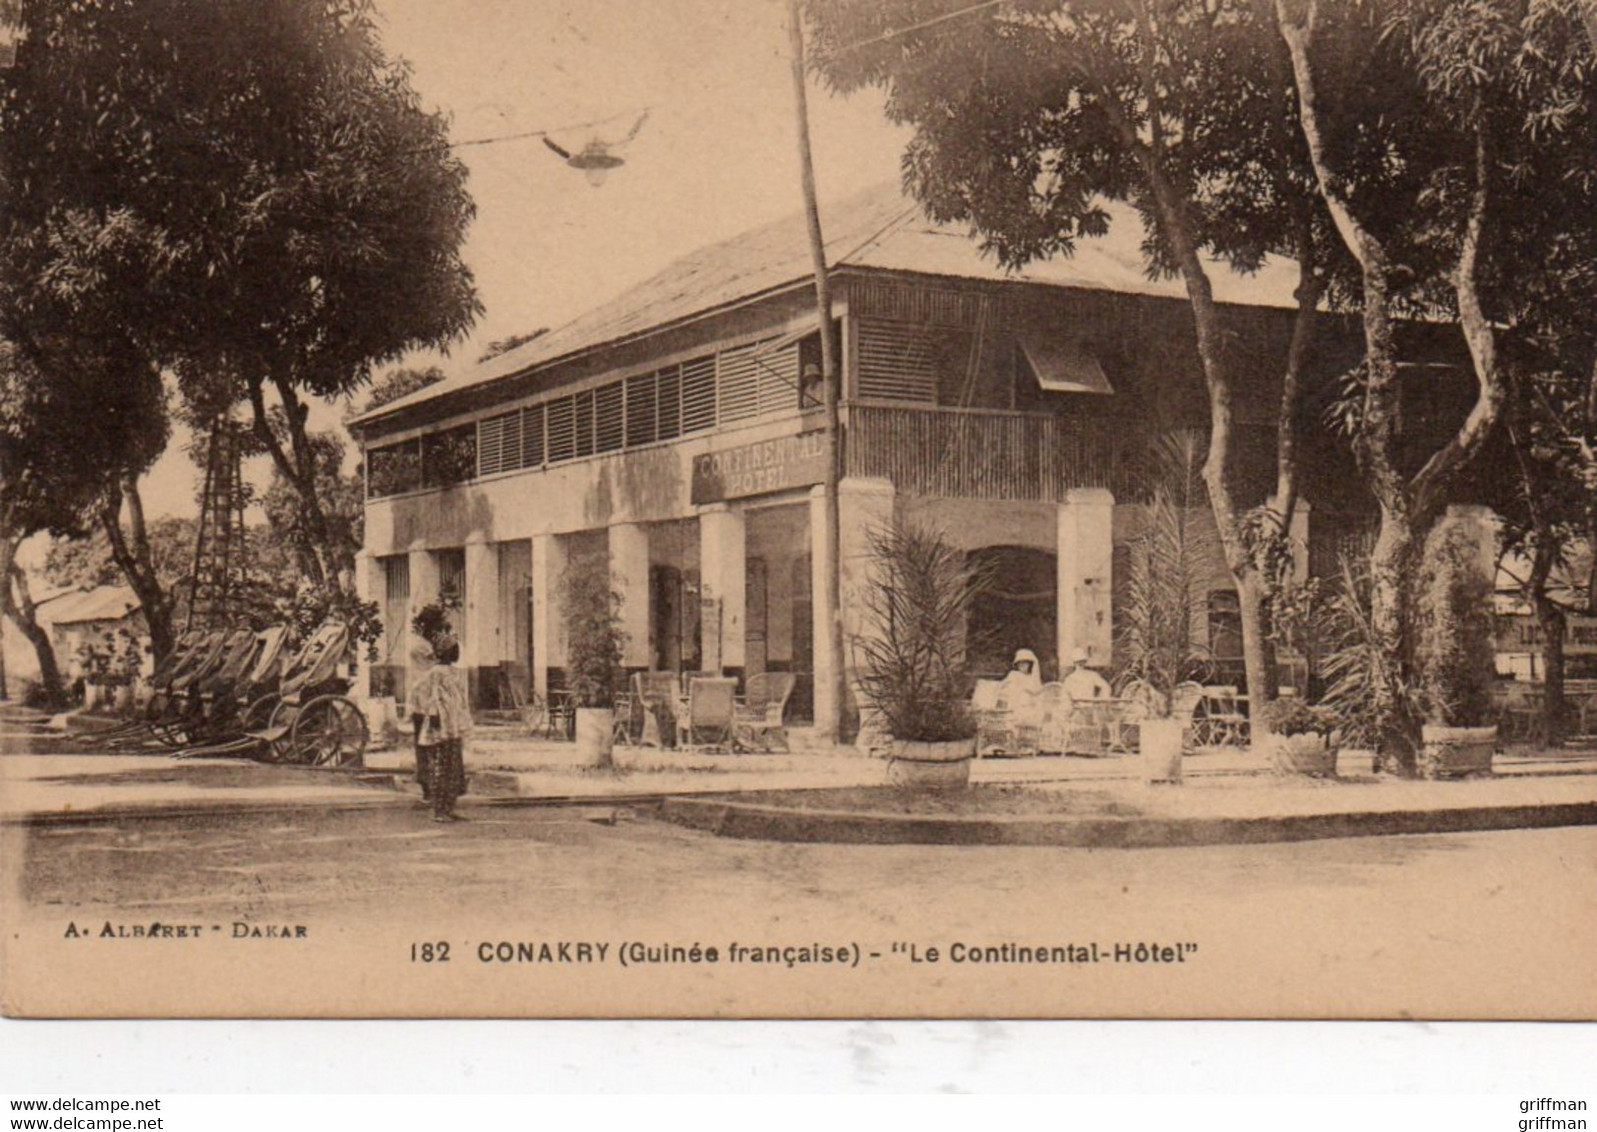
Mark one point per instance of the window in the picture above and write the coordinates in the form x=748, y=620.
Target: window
x=778, y=378
x=1225, y=625
x=583, y=410
x=532, y=447
x=896, y=362
x=609, y=417
x=642, y=402
x=698, y=394
x=562, y=430
x=449, y=457
x=393, y=469
x=669, y=402
x=499, y=444
x=737, y=381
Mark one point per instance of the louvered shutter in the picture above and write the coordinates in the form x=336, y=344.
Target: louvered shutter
x=609, y=417
x=669, y=402
x=778, y=379
x=583, y=406
x=698, y=394
x=499, y=444
x=642, y=428
x=737, y=380
x=562, y=429
x=897, y=362
x=532, y=447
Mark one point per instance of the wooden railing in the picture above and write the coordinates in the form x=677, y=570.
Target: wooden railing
x=984, y=453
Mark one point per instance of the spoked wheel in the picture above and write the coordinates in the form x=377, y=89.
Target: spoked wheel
x=281, y=727
x=330, y=731
x=258, y=715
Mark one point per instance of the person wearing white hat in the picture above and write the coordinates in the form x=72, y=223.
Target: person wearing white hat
x=1082, y=682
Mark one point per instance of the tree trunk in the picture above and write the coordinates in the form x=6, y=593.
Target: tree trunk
x=131, y=551
x=16, y=602
x=1397, y=725
x=297, y=464
x=1550, y=619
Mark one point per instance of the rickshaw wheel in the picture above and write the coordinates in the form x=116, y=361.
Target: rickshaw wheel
x=330, y=731
x=258, y=715
x=281, y=725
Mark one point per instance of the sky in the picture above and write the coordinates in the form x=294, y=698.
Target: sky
x=716, y=156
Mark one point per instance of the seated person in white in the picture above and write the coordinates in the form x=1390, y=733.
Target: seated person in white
x=1082, y=682
x=1018, y=689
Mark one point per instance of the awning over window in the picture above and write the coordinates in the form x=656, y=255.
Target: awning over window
x=1062, y=366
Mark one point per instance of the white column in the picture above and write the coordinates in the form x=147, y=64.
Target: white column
x=423, y=589
x=1086, y=556
x=821, y=624
x=480, y=647
x=370, y=585
x=629, y=573
x=723, y=556
x=863, y=504
x=548, y=618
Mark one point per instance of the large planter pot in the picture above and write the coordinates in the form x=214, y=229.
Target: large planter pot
x=930, y=766
x=1312, y=754
x=1455, y=752
x=1159, y=740
x=595, y=735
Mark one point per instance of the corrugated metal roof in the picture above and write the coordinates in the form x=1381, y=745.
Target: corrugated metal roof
x=877, y=228
x=103, y=603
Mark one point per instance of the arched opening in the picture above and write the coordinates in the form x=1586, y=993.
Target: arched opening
x=1018, y=610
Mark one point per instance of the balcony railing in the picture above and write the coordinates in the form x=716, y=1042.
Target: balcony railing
x=985, y=453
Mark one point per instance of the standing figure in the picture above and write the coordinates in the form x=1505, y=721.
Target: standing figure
x=441, y=711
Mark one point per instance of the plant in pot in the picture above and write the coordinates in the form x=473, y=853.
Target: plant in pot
x=1455, y=654
x=1302, y=737
x=911, y=657
x=594, y=643
x=1163, y=605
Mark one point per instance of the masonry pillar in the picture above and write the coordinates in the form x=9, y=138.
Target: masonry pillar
x=1086, y=556
x=480, y=645
x=423, y=589
x=629, y=573
x=371, y=584
x=863, y=505
x=548, y=618
x=724, y=584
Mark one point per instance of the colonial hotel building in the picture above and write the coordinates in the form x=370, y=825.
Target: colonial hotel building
x=672, y=436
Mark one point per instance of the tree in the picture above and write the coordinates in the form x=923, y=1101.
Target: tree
x=63, y=440
x=249, y=187
x=1029, y=115
x=343, y=506
x=399, y=383
x=1435, y=131
x=505, y=345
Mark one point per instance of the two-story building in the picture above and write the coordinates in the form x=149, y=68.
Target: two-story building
x=672, y=437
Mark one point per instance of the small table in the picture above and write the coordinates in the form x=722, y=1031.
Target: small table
x=562, y=715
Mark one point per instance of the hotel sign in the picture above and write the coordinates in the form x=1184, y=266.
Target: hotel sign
x=760, y=468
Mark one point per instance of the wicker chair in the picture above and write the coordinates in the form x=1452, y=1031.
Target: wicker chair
x=709, y=711
x=758, y=723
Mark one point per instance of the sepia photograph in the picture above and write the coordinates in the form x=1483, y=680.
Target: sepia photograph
x=798, y=509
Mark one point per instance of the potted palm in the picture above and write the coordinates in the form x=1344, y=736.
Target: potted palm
x=1459, y=735
x=912, y=666
x=1302, y=737
x=594, y=643
x=1158, y=644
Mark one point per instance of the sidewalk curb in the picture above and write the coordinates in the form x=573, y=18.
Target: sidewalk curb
x=770, y=823
x=73, y=818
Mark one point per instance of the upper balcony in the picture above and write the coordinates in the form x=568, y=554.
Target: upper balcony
x=984, y=453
